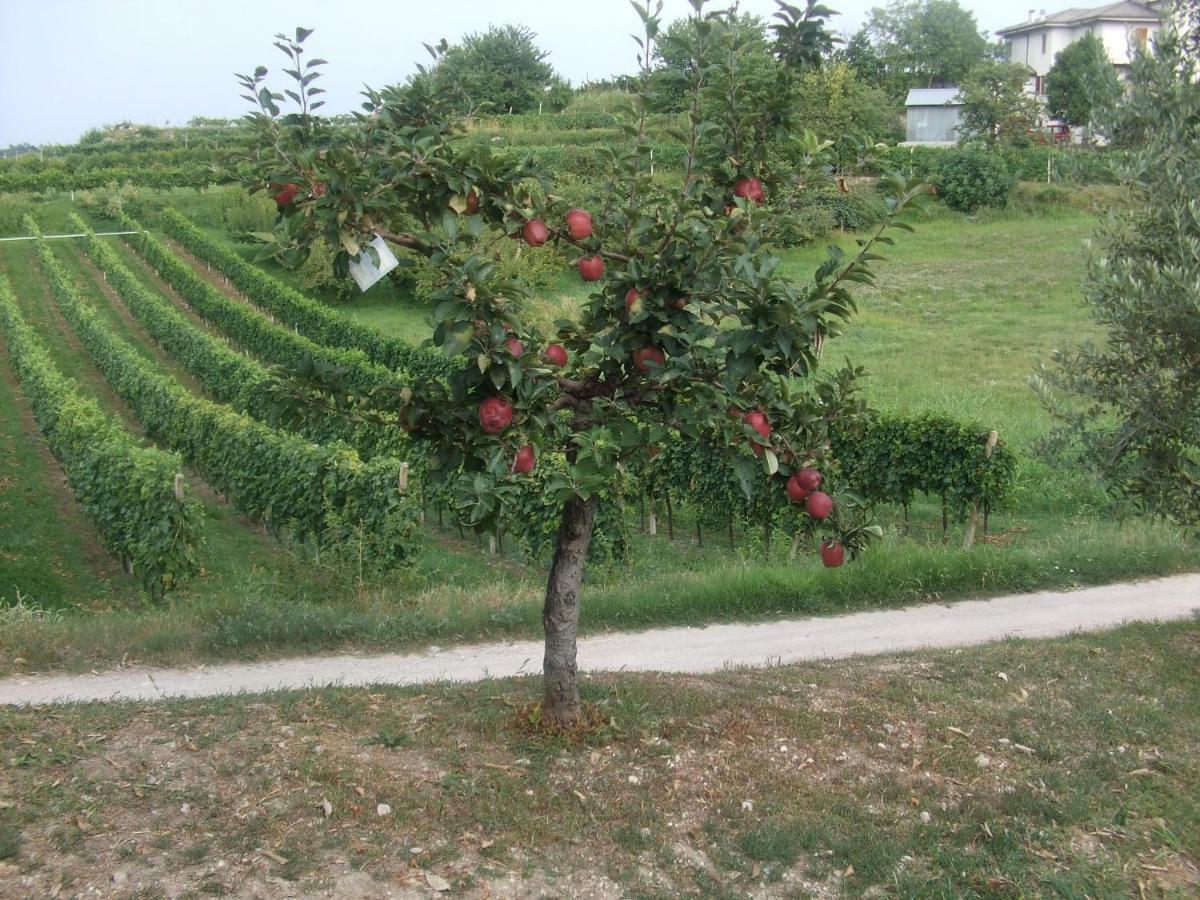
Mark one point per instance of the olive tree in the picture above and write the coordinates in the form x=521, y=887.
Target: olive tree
x=1130, y=408
x=693, y=330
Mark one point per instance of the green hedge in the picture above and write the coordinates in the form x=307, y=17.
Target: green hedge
x=880, y=459
x=227, y=375
x=891, y=459
x=1078, y=166
x=312, y=318
x=127, y=490
x=247, y=327
x=322, y=493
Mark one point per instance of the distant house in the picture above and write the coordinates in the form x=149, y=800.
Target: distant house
x=932, y=116
x=1122, y=27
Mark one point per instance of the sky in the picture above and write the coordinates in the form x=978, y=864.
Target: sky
x=70, y=65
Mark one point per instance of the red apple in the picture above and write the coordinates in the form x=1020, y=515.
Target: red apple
x=287, y=195
x=591, y=268
x=556, y=354
x=679, y=302
x=646, y=357
x=579, y=224
x=525, y=460
x=795, y=490
x=535, y=232
x=810, y=479
x=758, y=421
x=833, y=554
x=515, y=347
x=818, y=505
x=749, y=189
x=495, y=414
x=472, y=201
x=632, y=296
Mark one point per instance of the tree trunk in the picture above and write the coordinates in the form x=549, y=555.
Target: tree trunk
x=560, y=616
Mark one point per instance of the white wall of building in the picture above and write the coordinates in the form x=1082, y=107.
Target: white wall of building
x=1039, y=48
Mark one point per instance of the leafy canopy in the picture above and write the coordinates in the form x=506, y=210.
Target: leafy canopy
x=995, y=107
x=1082, y=85
x=1130, y=408
x=501, y=68
x=918, y=43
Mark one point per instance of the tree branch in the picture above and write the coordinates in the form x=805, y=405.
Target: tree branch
x=406, y=240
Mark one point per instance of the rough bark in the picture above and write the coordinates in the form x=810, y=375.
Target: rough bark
x=560, y=616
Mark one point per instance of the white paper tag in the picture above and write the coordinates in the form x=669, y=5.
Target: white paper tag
x=363, y=268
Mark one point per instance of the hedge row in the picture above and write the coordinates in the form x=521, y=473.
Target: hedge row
x=880, y=459
x=321, y=493
x=227, y=375
x=195, y=175
x=1080, y=166
x=247, y=327
x=127, y=490
x=592, y=160
x=310, y=317
x=891, y=459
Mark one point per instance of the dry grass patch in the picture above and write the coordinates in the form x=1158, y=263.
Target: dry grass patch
x=1038, y=768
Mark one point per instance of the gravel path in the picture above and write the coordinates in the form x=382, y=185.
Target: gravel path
x=706, y=649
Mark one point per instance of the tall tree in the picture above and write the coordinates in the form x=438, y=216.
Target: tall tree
x=1082, y=85
x=675, y=60
x=1130, y=408
x=693, y=330
x=923, y=43
x=502, y=67
x=995, y=107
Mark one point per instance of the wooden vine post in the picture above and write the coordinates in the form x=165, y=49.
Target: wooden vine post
x=969, y=540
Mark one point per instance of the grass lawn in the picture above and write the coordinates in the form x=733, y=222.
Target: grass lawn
x=1036, y=768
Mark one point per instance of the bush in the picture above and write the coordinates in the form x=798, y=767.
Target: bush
x=12, y=211
x=541, y=270
x=242, y=212
x=804, y=225
x=970, y=179
x=618, y=104
x=863, y=207
x=318, y=277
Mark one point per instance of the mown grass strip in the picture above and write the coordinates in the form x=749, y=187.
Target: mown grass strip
x=1062, y=768
x=127, y=490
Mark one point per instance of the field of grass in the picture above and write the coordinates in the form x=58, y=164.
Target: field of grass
x=1037, y=768
x=964, y=310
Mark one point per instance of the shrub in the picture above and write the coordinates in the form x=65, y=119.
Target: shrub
x=969, y=179
x=863, y=207
x=541, y=270
x=242, y=212
x=318, y=277
x=12, y=211
x=618, y=104
x=804, y=225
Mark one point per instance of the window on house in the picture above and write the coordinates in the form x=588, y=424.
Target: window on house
x=1140, y=36
x=1043, y=45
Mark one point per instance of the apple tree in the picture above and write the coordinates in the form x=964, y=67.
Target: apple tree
x=693, y=331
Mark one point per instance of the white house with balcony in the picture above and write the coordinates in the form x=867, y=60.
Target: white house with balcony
x=1122, y=27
